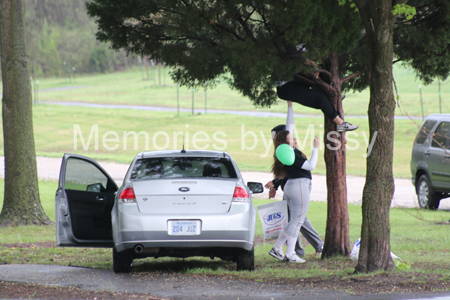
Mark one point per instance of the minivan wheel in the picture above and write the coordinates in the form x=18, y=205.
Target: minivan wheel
x=426, y=196
x=245, y=260
x=122, y=261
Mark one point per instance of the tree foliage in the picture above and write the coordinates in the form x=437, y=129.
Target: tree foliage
x=423, y=42
x=249, y=43
x=60, y=31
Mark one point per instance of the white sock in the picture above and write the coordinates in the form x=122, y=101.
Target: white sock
x=281, y=239
x=291, y=245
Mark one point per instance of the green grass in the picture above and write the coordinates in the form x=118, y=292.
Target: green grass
x=129, y=88
x=246, y=138
x=54, y=125
x=416, y=237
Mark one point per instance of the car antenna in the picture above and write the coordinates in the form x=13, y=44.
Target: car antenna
x=183, y=151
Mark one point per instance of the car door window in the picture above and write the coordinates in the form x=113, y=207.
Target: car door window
x=90, y=197
x=83, y=176
x=441, y=136
x=424, y=131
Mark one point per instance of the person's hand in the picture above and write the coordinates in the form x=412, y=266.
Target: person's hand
x=269, y=185
x=316, y=142
x=289, y=103
x=272, y=193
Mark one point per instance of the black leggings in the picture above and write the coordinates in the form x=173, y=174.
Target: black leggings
x=299, y=92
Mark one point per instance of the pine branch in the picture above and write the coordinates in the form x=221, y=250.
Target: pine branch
x=353, y=76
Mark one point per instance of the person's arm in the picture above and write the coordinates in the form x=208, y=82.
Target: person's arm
x=290, y=118
x=311, y=164
x=276, y=183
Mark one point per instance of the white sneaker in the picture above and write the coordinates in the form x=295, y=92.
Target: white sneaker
x=277, y=253
x=294, y=258
x=346, y=127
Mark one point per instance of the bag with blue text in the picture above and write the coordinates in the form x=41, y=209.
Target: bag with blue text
x=273, y=217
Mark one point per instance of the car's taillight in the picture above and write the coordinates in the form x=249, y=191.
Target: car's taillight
x=127, y=195
x=240, y=195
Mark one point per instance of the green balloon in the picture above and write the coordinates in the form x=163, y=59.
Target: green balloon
x=285, y=154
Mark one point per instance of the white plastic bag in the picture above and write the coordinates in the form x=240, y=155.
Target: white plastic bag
x=355, y=252
x=273, y=217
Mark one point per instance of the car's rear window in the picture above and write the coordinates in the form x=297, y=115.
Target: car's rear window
x=183, y=167
x=424, y=131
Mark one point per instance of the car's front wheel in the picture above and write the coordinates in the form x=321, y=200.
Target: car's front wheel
x=245, y=260
x=122, y=261
x=426, y=196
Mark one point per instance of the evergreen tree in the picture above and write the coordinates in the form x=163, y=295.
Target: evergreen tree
x=249, y=44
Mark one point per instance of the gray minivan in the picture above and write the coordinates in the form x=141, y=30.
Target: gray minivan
x=430, y=162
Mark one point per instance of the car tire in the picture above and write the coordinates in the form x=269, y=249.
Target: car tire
x=122, y=261
x=426, y=196
x=245, y=260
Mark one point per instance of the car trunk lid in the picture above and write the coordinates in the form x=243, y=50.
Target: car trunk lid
x=184, y=197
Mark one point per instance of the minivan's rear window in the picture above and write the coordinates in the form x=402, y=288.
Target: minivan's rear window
x=424, y=131
x=183, y=167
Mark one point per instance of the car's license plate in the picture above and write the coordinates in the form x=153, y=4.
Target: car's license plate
x=190, y=227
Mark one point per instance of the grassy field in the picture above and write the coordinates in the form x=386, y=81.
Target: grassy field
x=60, y=129
x=133, y=87
x=416, y=237
x=99, y=133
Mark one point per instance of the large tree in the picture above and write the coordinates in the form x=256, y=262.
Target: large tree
x=421, y=41
x=21, y=203
x=378, y=191
x=249, y=43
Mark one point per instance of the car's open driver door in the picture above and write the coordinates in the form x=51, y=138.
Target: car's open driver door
x=83, y=203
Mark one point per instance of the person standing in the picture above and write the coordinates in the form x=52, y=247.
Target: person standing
x=296, y=190
x=307, y=230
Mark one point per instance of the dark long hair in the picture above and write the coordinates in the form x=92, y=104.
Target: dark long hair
x=278, y=169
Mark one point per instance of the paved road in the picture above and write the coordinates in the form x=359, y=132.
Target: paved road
x=263, y=114
x=180, y=286
x=404, y=196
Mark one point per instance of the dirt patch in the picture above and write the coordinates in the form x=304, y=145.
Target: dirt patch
x=12, y=290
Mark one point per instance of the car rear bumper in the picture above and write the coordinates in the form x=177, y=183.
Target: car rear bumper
x=235, y=229
x=155, y=245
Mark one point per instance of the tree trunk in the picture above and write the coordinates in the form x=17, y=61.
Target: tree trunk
x=378, y=191
x=337, y=229
x=21, y=203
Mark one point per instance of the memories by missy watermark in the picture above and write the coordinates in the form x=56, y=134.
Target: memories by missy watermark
x=259, y=142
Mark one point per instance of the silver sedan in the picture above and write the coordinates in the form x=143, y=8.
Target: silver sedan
x=171, y=203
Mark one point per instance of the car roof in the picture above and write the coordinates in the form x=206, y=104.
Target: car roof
x=184, y=153
x=438, y=116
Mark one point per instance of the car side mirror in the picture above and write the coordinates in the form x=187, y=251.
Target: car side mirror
x=95, y=187
x=255, y=187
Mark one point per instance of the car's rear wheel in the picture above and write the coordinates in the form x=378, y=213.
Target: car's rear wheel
x=122, y=261
x=426, y=196
x=245, y=260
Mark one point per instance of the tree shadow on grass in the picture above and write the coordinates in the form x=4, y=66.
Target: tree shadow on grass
x=181, y=266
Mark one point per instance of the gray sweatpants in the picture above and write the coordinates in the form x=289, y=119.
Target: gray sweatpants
x=297, y=195
x=310, y=234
